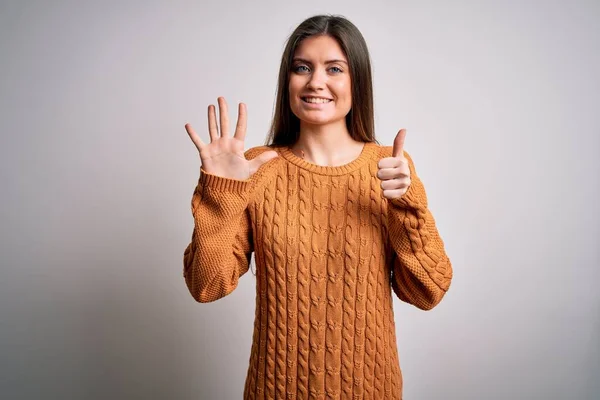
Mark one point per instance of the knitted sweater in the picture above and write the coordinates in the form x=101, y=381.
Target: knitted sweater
x=329, y=249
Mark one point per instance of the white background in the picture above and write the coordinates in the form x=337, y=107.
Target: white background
x=501, y=105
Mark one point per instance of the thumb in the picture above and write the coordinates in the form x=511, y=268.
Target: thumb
x=399, y=144
x=261, y=159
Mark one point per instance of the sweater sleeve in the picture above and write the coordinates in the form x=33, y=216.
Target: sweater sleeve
x=221, y=246
x=421, y=272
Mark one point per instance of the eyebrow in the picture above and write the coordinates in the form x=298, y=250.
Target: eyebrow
x=296, y=59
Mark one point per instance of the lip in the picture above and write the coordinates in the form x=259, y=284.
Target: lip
x=315, y=97
x=315, y=105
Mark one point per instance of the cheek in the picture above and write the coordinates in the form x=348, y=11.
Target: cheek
x=344, y=93
x=294, y=86
x=343, y=89
x=293, y=92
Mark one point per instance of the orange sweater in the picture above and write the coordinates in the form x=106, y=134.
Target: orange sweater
x=329, y=249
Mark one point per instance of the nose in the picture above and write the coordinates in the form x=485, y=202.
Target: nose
x=317, y=80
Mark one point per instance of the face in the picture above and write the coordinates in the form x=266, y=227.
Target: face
x=319, y=84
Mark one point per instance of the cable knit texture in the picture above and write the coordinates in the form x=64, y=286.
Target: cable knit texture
x=329, y=251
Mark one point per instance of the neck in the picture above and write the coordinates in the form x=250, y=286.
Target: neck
x=327, y=145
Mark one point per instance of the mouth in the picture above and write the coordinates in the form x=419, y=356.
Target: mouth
x=316, y=100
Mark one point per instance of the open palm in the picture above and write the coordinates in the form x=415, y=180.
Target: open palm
x=224, y=155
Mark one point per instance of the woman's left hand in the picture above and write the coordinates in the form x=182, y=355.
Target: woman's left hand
x=394, y=171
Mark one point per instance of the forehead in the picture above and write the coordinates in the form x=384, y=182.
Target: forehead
x=319, y=48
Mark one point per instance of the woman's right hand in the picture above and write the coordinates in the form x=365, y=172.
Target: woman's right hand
x=224, y=155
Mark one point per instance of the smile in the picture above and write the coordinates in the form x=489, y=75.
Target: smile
x=316, y=100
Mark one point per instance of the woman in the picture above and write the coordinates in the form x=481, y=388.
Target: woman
x=335, y=221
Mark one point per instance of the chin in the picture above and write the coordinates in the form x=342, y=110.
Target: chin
x=316, y=119
x=319, y=121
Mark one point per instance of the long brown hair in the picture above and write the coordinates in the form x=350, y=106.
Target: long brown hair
x=285, y=126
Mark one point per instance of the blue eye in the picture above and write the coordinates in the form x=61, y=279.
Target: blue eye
x=297, y=68
x=337, y=70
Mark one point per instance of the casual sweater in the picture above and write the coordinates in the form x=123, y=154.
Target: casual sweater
x=329, y=250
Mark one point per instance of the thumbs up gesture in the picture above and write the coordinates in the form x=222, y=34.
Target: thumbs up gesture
x=394, y=172
x=224, y=155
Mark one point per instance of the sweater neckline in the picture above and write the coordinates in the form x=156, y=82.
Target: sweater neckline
x=365, y=154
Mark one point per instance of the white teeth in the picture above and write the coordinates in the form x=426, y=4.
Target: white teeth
x=316, y=100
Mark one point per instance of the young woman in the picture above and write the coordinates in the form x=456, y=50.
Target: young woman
x=336, y=222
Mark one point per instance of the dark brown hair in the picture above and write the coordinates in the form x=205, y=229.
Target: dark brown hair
x=285, y=126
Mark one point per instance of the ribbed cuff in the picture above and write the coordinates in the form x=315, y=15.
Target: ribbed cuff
x=223, y=184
